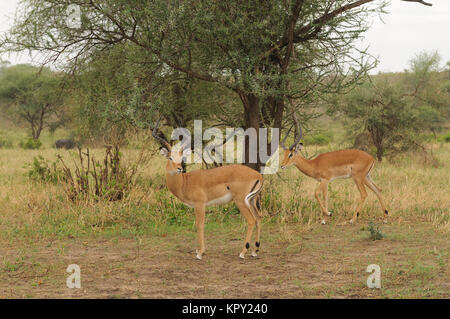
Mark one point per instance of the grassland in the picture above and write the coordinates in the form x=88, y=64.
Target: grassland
x=144, y=246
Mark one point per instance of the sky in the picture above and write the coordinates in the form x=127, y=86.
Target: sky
x=406, y=30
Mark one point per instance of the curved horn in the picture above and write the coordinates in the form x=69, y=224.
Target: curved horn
x=299, y=137
x=284, y=139
x=162, y=141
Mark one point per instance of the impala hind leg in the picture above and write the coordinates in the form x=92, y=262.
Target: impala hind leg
x=255, y=203
x=368, y=181
x=363, y=192
x=251, y=221
x=200, y=225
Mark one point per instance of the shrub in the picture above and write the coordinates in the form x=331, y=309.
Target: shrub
x=110, y=179
x=40, y=170
x=320, y=139
x=30, y=144
x=444, y=138
x=375, y=232
x=5, y=143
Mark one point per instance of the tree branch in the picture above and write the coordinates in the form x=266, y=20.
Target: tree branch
x=419, y=1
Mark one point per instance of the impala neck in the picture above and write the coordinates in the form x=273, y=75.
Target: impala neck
x=174, y=181
x=304, y=165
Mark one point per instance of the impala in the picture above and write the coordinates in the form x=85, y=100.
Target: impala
x=329, y=166
x=206, y=187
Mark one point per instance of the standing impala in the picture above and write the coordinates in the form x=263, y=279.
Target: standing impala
x=332, y=165
x=220, y=185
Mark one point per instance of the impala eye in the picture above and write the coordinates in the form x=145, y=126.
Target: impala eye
x=170, y=158
x=290, y=155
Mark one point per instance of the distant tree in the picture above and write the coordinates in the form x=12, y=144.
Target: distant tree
x=428, y=96
x=395, y=108
x=32, y=95
x=379, y=108
x=448, y=68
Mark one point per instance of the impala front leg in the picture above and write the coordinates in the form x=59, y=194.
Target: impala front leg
x=323, y=188
x=200, y=225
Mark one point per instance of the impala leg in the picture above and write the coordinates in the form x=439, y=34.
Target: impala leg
x=200, y=225
x=363, y=192
x=323, y=188
x=377, y=192
x=325, y=198
x=257, y=214
x=251, y=220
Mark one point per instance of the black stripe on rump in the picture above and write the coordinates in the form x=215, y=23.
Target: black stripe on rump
x=253, y=188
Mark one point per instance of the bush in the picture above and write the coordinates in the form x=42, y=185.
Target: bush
x=5, y=143
x=320, y=139
x=444, y=138
x=109, y=179
x=40, y=170
x=375, y=232
x=30, y=144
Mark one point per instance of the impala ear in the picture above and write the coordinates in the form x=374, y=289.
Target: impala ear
x=298, y=147
x=164, y=151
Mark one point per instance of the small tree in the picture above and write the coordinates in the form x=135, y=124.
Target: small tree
x=32, y=95
x=448, y=68
x=380, y=108
x=394, y=108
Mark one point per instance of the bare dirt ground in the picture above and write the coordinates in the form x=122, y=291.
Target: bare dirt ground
x=323, y=262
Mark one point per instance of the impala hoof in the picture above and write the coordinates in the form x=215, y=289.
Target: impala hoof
x=198, y=255
x=330, y=214
x=254, y=254
x=323, y=222
x=241, y=255
x=351, y=222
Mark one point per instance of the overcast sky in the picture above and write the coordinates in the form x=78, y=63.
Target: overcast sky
x=408, y=29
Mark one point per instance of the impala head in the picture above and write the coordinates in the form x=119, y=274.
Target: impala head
x=174, y=156
x=174, y=160
x=289, y=152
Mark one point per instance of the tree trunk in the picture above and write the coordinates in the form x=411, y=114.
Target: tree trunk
x=379, y=153
x=251, y=120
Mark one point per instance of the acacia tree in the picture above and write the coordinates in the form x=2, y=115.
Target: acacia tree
x=394, y=109
x=32, y=95
x=266, y=52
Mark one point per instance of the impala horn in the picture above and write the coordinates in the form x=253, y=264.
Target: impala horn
x=297, y=140
x=159, y=138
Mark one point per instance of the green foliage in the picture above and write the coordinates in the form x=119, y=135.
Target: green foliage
x=375, y=232
x=157, y=56
x=30, y=144
x=40, y=170
x=32, y=95
x=394, y=109
x=444, y=138
x=319, y=139
x=5, y=143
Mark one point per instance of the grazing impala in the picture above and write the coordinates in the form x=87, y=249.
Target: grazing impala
x=220, y=185
x=332, y=165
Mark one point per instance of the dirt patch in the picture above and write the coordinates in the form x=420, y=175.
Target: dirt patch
x=325, y=262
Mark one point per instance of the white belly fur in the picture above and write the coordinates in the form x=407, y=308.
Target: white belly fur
x=343, y=176
x=221, y=200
